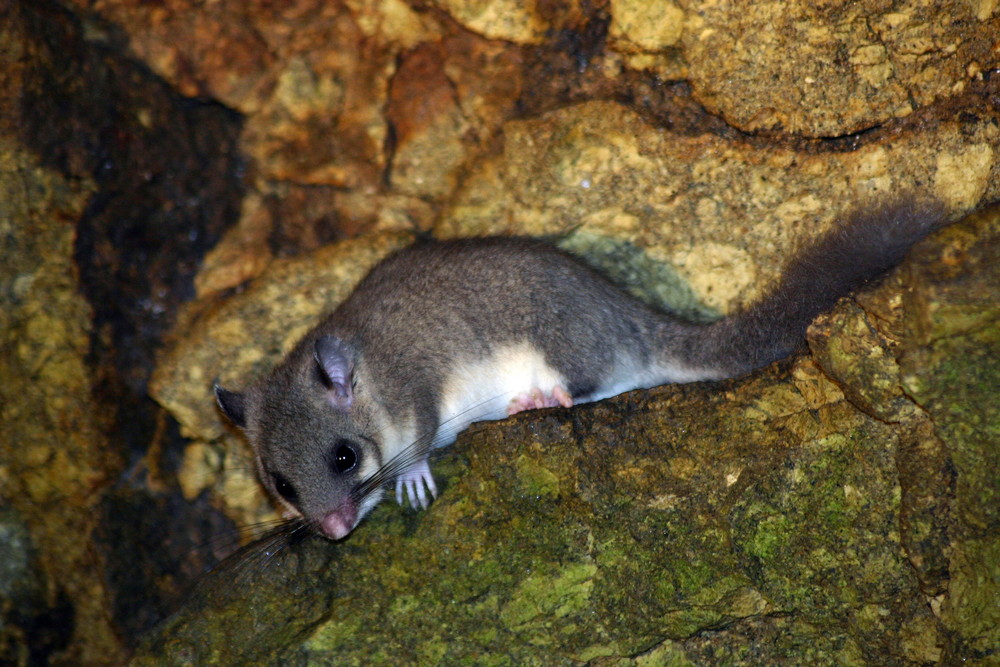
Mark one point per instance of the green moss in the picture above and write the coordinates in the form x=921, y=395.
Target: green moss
x=550, y=596
x=975, y=588
x=535, y=479
x=596, y=651
x=770, y=537
x=667, y=654
x=432, y=652
x=951, y=369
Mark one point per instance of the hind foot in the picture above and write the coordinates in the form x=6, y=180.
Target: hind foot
x=536, y=398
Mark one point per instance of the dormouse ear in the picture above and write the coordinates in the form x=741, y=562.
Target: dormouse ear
x=233, y=405
x=336, y=365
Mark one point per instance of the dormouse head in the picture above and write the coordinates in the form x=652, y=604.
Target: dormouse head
x=314, y=428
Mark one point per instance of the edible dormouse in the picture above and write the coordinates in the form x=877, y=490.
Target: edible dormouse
x=445, y=333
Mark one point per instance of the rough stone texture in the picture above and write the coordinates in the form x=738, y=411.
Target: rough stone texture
x=515, y=21
x=601, y=170
x=311, y=78
x=840, y=508
x=105, y=180
x=949, y=368
x=54, y=454
x=447, y=99
x=833, y=69
x=649, y=34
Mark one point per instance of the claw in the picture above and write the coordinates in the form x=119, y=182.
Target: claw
x=416, y=481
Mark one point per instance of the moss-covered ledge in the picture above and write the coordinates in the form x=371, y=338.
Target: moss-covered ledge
x=756, y=521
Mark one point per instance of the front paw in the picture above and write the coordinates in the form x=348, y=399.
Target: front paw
x=417, y=481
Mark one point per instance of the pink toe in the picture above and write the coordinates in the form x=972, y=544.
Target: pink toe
x=534, y=399
x=562, y=397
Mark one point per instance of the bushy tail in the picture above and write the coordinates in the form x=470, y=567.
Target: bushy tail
x=857, y=250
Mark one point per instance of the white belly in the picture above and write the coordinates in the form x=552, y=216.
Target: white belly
x=482, y=389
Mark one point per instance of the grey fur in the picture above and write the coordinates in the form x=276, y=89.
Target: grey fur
x=424, y=320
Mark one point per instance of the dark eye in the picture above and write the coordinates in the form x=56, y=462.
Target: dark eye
x=345, y=456
x=285, y=488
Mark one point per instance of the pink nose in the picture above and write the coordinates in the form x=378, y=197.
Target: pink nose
x=340, y=521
